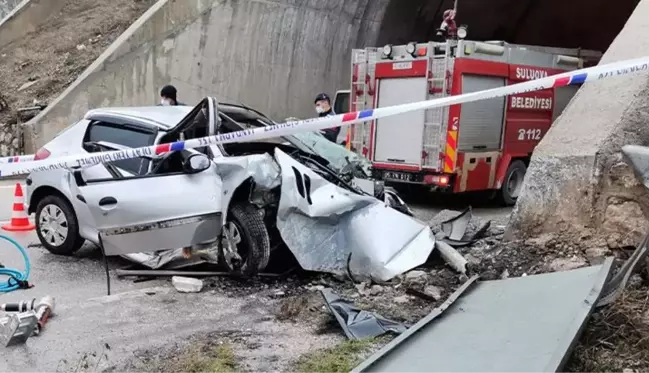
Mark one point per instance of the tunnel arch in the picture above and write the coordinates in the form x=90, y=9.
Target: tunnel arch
x=553, y=23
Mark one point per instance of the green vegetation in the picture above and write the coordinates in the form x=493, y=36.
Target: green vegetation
x=217, y=359
x=340, y=358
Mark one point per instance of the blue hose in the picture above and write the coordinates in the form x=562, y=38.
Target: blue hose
x=16, y=279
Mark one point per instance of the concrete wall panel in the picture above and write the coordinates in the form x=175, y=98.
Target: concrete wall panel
x=577, y=174
x=274, y=55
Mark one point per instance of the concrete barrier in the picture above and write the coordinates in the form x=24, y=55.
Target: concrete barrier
x=26, y=17
x=274, y=55
x=577, y=181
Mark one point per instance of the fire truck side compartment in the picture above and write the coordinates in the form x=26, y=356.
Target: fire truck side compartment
x=398, y=138
x=481, y=122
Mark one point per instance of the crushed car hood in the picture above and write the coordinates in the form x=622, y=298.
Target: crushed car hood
x=330, y=229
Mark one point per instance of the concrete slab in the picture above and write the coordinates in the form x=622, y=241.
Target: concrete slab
x=576, y=178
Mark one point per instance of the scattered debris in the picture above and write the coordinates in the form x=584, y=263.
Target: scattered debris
x=356, y=323
x=187, y=284
x=27, y=85
x=566, y=264
x=459, y=229
x=451, y=256
x=414, y=275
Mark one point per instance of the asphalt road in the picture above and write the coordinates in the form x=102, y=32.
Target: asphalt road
x=91, y=331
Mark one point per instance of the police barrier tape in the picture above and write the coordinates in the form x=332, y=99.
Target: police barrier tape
x=314, y=124
x=18, y=158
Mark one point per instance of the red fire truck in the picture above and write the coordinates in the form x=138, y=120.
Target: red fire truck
x=479, y=146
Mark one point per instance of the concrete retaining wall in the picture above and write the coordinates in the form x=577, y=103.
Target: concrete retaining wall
x=25, y=17
x=577, y=179
x=6, y=6
x=274, y=55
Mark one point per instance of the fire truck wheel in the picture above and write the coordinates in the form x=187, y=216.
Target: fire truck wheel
x=513, y=183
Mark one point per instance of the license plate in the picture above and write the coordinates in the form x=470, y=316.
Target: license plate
x=400, y=176
x=402, y=66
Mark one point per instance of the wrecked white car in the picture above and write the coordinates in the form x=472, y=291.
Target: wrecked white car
x=232, y=203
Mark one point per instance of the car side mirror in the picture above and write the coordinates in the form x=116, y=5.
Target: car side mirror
x=196, y=163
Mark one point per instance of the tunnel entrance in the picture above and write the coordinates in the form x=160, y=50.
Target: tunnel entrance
x=587, y=24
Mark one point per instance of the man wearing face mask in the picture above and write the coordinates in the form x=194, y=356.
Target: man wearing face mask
x=323, y=108
x=168, y=96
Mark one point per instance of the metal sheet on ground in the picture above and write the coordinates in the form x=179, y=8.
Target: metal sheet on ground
x=520, y=324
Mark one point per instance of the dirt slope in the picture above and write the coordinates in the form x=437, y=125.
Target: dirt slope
x=38, y=67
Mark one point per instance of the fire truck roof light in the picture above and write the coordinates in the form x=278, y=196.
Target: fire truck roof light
x=411, y=48
x=387, y=50
x=461, y=32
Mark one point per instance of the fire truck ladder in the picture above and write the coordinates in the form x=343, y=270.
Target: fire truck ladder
x=366, y=62
x=434, y=129
x=359, y=90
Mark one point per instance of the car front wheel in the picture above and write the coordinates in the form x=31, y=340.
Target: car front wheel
x=57, y=226
x=248, y=236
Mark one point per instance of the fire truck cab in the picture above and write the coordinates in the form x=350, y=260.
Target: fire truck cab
x=479, y=146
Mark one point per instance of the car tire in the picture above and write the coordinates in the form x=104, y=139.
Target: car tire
x=254, y=247
x=512, y=184
x=48, y=208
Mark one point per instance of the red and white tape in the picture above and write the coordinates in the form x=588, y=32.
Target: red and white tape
x=569, y=78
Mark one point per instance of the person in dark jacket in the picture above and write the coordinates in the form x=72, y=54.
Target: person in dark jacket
x=168, y=96
x=324, y=109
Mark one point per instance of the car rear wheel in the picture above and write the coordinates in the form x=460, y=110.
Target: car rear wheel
x=57, y=226
x=513, y=183
x=246, y=229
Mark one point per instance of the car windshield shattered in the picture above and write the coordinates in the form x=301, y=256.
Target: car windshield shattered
x=340, y=159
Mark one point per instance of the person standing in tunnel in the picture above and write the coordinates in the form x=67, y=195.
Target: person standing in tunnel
x=324, y=109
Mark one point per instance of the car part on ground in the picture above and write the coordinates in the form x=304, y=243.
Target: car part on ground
x=356, y=323
x=517, y=324
x=454, y=230
x=170, y=273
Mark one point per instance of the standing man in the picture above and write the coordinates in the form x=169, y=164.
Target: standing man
x=168, y=96
x=323, y=108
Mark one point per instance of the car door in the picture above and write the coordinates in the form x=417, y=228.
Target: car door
x=145, y=213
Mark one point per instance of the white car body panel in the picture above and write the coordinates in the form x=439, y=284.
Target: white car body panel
x=186, y=211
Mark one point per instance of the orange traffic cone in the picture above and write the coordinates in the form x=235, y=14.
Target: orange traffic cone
x=19, y=219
